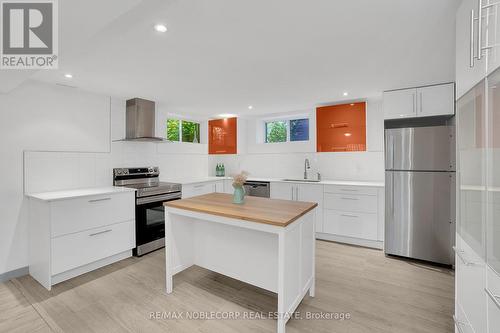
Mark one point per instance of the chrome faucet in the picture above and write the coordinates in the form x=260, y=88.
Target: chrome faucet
x=306, y=166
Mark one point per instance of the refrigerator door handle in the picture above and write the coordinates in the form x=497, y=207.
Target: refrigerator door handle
x=389, y=150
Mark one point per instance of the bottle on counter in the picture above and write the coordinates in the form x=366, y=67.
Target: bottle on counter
x=223, y=170
x=217, y=170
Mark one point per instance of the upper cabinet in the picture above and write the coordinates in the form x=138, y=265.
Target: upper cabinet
x=470, y=68
x=222, y=136
x=400, y=104
x=477, y=42
x=341, y=127
x=436, y=100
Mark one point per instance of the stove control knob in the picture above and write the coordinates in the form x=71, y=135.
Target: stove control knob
x=119, y=172
x=156, y=169
x=150, y=170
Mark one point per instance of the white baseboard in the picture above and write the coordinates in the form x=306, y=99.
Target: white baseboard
x=90, y=267
x=379, y=245
x=14, y=274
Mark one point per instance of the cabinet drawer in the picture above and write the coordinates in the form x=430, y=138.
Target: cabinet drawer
x=351, y=202
x=341, y=189
x=193, y=190
x=358, y=225
x=69, y=216
x=71, y=251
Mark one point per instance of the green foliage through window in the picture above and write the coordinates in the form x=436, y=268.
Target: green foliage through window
x=188, y=131
x=276, y=131
x=173, y=129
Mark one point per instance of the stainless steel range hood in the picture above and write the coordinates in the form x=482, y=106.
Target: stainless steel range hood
x=140, y=121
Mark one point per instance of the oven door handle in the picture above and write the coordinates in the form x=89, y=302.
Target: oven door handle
x=158, y=198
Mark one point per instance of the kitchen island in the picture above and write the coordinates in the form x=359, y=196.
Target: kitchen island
x=268, y=243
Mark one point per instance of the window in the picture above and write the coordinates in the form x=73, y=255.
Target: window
x=299, y=130
x=173, y=129
x=190, y=132
x=276, y=131
x=183, y=131
x=288, y=130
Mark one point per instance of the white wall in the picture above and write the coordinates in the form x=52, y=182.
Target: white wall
x=286, y=160
x=66, y=135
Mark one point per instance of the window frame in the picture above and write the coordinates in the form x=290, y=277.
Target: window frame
x=181, y=121
x=288, y=121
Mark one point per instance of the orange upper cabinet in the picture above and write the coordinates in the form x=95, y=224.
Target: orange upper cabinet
x=222, y=136
x=341, y=127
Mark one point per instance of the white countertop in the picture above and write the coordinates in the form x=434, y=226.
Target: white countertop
x=479, y=188
x=186, y=181
x=79, y=192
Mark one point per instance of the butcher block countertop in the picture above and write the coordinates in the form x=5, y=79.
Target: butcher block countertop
x=261, y=210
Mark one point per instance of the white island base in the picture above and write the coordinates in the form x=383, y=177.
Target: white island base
x=276, y=258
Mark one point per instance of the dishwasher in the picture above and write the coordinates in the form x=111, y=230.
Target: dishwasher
x=257, y=189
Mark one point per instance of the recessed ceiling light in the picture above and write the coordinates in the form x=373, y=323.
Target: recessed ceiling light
x=352, y=104
x=250, y=107
x=345, y=93
x=68, y=75
x=160, y=27
x=347, y=134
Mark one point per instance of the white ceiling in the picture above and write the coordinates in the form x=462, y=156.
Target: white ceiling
x=219, y=56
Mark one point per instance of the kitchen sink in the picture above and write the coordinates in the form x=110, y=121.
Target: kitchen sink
x=302, y=180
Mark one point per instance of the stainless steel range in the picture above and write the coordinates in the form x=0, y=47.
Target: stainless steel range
x=149, y=210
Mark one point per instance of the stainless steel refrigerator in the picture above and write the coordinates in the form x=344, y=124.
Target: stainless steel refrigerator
x=420, y=193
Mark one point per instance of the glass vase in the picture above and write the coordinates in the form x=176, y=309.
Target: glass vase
x=239, y=194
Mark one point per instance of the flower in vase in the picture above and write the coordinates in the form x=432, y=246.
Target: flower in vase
x=240, y=179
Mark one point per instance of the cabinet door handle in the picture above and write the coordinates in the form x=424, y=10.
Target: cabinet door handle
x=345, y=198
x=349, y=215
x=199, y=186
x=100, y=232
x=348, y=190
x=97, y=200
x=460, y=254
x=421, y=100
x=413, y=101
x=494, y=298
x=471, y=40
x=458, y=324
x=479, y=29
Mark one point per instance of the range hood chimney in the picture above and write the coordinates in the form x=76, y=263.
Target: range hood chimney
x=141, y=121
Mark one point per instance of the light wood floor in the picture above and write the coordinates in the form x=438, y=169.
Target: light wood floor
x=380, y=294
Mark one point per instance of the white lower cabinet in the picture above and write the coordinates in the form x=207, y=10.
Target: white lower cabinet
x=313, y=193
x=69, y=237
x=98, y=243
x=470, y=279
x=193, y=190
x=346, y=213
x=354, y=215
x=351, y=224
x=228, y=186
x=284, y=191
x=301, y=192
